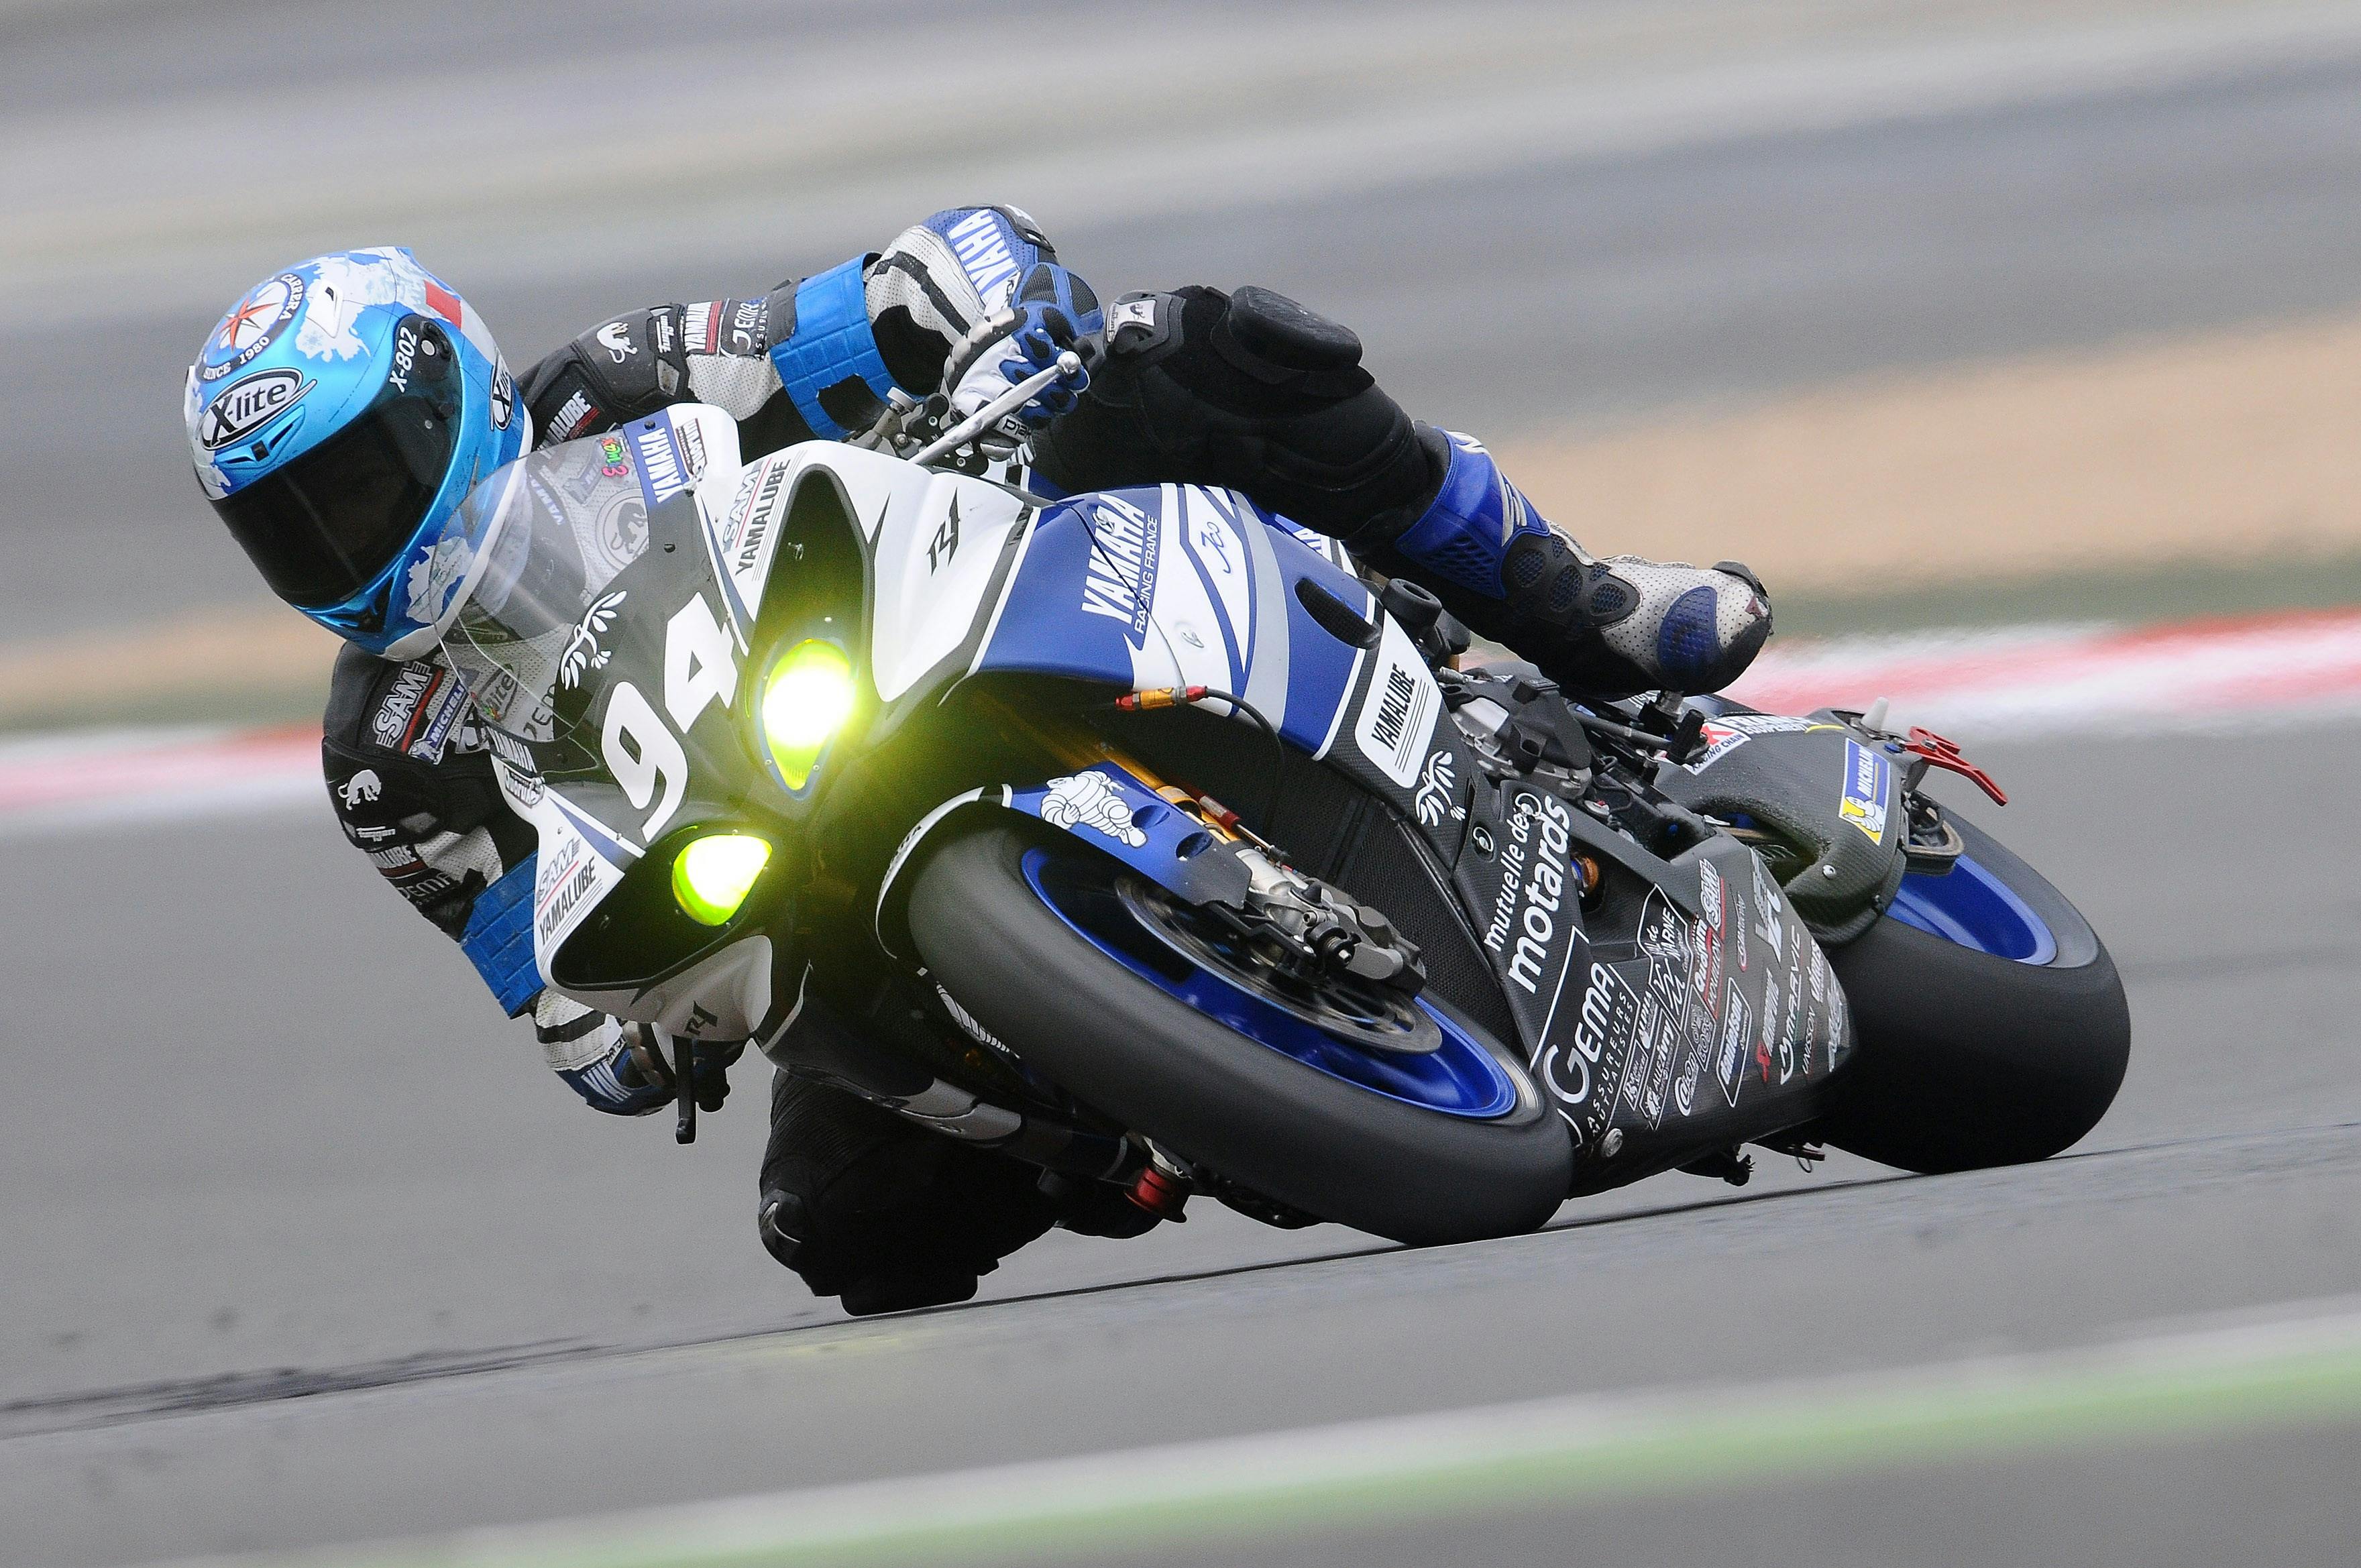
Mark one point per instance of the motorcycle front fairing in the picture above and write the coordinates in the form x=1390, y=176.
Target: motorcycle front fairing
x=600, y=644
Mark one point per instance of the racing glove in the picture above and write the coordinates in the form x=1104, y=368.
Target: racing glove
x=616, y=1066
x=1052, y=311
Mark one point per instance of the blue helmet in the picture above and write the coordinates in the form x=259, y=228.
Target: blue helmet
x=338, y=415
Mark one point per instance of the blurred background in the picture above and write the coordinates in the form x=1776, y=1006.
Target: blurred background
x=2039, y=320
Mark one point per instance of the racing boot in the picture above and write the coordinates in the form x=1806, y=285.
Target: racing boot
x=1611, y=627
x=1257, y=393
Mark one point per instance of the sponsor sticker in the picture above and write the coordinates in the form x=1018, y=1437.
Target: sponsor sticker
x=749, y=325
x=247, y=405
x=663, y=469
x=1529, y=918
x=1769, y=908
x=583, y=652
x=1724, y=735
x=575, y=415
x=613, y=460
x=1438, y=791
x=1584, y=1077
x=431, y=732
x=1737, y=1035
x=1119, y=574
x=1663, y=1009
x=1868, y=782
x=1719, y=739
x=979, y=242
x=398, y=711
x=1773, y=724
x=504, y=396
x=753, y=515
x=566, y=874
x=1791, y=1030
x=1399, y=713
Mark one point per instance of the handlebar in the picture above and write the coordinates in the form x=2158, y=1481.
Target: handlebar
x=1069, y=364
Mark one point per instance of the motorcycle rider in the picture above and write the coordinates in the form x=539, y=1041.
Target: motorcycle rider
x=344, y=408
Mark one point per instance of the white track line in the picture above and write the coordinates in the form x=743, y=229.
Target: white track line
x=2224, y=1377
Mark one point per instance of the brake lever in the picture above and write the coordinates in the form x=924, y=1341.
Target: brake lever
x=1945, y=754
x=684, y=1089
x=1068, y=365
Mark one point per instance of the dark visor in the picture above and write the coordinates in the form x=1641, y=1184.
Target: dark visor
x=322, y=527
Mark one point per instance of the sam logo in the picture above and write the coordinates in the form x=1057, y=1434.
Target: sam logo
x=1436, y=791
x=563, y=894
x=1119, y=577
x=751, y=519
x=243, y=407
x=391, y=724
x=1868, y=780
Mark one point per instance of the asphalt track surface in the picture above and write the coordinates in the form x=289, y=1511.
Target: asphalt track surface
x=299, y=1245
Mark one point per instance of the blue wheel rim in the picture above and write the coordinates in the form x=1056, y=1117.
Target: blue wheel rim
x=1973, y=907
x=1459, y=1078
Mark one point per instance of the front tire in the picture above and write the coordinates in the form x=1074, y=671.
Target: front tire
x=1137, y=1052
x=1967, y=1058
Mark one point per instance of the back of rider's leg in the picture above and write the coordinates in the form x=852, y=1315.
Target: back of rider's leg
x=1257, y=393
x=883, y=1214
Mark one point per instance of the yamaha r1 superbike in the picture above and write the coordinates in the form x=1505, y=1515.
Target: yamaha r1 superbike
x=1139, y=838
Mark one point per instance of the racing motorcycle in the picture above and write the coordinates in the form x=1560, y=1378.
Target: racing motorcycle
x=1137, y=836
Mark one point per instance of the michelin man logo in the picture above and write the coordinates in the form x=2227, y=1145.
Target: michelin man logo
x=363, y=785
x=1088, y=799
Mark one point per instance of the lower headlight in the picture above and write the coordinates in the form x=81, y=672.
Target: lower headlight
x=807, y=697
x=711, y=876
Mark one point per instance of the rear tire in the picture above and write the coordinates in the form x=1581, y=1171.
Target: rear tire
x=1208, y=1093
x=1967, y=1060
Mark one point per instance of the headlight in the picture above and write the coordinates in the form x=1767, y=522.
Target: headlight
x=711, y=876
x=807, y=697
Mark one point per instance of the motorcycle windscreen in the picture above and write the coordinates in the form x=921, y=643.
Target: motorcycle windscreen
x=595, y=632
x=540, y=601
